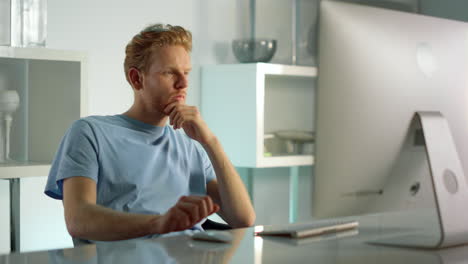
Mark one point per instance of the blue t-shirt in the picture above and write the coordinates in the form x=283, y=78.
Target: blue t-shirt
x=138, y=167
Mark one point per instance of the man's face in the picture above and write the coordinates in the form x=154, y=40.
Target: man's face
x=166, y=79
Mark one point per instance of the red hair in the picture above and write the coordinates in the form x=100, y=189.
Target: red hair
x=142, y=45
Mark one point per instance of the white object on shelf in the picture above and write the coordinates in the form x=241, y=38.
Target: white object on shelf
x=296, y=135
x=9, y=103
x=243, y=102
x=295, y=139
x=28, y=23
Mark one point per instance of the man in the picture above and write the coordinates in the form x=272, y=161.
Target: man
x=132, y=175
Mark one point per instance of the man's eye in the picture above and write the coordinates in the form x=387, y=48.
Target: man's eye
x=186, y=73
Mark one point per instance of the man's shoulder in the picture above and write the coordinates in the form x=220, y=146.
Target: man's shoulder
x=99, y=119
x=96, y=120
x=90, y=124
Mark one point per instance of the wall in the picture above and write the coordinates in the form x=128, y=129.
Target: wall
x=450, y=9
x=102, y=29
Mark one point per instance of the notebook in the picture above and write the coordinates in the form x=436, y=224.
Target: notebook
x=315, y=228
x=313, y=239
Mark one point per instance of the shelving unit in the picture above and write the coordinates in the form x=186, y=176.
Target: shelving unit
x=52, y=89
x=243, y=102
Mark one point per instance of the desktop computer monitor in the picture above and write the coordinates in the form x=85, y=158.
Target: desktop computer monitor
x=377, y=67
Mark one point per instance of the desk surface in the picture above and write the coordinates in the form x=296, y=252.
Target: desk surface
x=246, y=248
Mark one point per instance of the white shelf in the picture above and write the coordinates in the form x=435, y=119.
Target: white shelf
x=286, y=161
x=243, y=102
x=53, y=93
x=26, y=169
x=41, y=54
x=285, y=70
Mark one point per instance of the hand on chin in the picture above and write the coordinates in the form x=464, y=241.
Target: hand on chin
x=189, y=118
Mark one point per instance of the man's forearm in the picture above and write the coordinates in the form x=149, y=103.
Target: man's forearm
x=235, y=201
x=94, y=222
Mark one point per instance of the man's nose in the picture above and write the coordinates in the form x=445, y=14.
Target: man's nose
x=182, y=82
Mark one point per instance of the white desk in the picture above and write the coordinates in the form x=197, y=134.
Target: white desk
x=246, y=249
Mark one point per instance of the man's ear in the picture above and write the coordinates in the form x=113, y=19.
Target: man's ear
x=136, y=78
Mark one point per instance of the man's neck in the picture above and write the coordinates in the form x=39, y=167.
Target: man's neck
x=152, y=118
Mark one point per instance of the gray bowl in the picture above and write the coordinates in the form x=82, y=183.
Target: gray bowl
x=254, y=50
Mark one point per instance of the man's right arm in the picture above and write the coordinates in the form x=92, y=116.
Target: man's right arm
x=87, y=220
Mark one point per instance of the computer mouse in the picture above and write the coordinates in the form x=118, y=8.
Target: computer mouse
x=208, y=246
x=213, y=236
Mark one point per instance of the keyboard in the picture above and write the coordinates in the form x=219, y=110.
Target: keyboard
x=314, y=228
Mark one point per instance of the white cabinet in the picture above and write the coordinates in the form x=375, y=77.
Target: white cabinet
x=245, y=104
x=42, y=222
x=52, y=88
x=52, y=91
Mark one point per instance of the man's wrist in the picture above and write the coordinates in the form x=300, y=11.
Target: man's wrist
x=155, y=225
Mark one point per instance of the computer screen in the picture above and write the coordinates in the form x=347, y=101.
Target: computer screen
x=377, y=67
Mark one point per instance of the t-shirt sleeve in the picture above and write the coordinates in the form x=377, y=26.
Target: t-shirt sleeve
x=77, y=156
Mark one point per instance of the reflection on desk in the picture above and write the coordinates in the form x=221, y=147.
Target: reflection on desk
x=246, y=248
x=174, y=249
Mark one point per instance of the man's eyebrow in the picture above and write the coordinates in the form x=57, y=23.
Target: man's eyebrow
x=172, y=68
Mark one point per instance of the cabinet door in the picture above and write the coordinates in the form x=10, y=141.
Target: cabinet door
x=42, y=222
x=5, y=219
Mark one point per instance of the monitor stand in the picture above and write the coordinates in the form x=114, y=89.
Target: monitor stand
x=448, y=179
x=434, y=210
